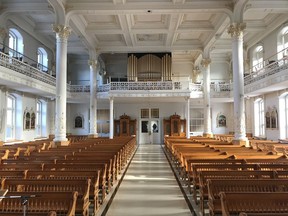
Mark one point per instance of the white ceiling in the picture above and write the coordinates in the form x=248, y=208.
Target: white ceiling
x=121, y=26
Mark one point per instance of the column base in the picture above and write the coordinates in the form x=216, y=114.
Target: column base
x=61, y=143
x=208, y=135
x=241, y=142
x=91, y=136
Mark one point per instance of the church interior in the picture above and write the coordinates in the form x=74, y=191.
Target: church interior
x=144, y=108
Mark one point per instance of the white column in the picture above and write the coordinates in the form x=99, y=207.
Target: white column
x=111, y=118
x=93, y=99
x=236, y=31
x=51, y=113
x=188, y=118
x=62, y=34
x=207, y=105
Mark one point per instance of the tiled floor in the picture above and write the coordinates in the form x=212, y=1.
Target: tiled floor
x=149, y=187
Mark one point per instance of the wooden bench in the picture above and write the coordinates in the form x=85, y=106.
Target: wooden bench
x=21, y=166
x=215, y=186
x=104, y=182
x=112, y=160
x=262, y=202
x=13, y=174
x=43, y=185
x=63, y=203
x=73, y=175
x=227, y=174
x=193, y=176
x=263, y=214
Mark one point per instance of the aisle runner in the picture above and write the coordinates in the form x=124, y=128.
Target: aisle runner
x=149, y=187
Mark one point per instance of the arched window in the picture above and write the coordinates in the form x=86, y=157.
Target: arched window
x=259, y=117
x=10, y=117
x=42, y=59
x=16, y=45
x=258, y=61
x=283, y=43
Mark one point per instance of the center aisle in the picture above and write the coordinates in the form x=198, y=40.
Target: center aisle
x=149, y=187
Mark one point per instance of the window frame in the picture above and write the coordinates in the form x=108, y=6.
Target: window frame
x=10, y=125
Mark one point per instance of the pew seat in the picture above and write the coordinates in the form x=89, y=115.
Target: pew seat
x=254, y=202
x=215, y=186
x=63, y=203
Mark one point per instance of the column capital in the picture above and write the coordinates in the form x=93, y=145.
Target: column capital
x=93, y=63
x=236, y=29
x=205, y=62
x=187, y=98
x=61, y=31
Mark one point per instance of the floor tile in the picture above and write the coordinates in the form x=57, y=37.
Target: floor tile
x=149, y=187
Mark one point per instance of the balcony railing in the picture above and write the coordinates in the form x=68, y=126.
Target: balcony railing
x=25, y=69
x=146, y=86
x=21, y=67
x=267, y=68
x=78, y=88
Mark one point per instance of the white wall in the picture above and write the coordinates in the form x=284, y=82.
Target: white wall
x=219, y=71
x=78, y=71
x=74, y=110
x=181, y=69
x=223, y=109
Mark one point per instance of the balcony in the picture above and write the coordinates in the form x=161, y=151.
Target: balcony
x=270, y=76
x=16, y=74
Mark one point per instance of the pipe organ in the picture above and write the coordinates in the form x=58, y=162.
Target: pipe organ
x=149, y=67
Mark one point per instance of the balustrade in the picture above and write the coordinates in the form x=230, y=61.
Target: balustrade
x=21, y=67
x=25, y=69
x=268, y=70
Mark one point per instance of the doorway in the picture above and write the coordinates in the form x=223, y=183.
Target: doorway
x=149, y=128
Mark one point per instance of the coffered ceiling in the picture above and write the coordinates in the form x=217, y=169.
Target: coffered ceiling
x=121, y=26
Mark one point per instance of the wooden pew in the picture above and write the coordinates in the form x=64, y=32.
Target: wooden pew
x=107, y=167
x=262, y=202
x=117, y=152
x=196, y=168
x=43, y=185
x=63, y=203
x=21, y=166
x=73, y=175
x=228, y=174
x=263, y=214
x=76, y=166
x=13, y=174
x=215, y=186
